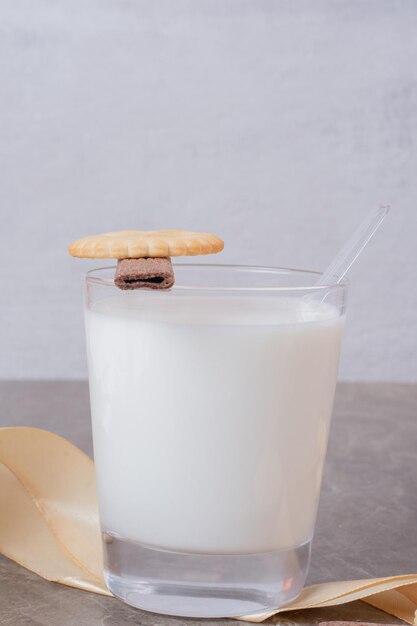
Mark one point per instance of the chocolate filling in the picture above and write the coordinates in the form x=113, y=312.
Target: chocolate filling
x=157, y=279
x=144, y=273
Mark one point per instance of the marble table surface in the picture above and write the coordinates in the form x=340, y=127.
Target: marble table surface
x=366, y=523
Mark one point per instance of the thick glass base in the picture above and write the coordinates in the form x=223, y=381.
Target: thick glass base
x=203, y=585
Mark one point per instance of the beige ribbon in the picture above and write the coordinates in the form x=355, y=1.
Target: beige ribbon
x=49, y=524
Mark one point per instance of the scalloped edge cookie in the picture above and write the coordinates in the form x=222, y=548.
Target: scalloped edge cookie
x=136, y=244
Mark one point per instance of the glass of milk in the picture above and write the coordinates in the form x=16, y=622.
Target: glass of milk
x=211, y=405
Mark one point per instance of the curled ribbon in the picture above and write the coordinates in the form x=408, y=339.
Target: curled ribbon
x=49, y=524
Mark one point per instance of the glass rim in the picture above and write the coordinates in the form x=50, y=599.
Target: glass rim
x=91, y=277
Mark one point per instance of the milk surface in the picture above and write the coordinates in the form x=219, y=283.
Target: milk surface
x=210, y=417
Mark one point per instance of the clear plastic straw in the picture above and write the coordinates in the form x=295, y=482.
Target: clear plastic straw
x=353, y=247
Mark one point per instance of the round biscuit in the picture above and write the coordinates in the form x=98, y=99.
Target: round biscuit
x=134, y=244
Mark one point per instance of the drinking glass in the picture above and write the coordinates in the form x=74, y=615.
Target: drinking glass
x=211, y=404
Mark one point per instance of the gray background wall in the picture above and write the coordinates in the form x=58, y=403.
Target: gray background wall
x=275, y=124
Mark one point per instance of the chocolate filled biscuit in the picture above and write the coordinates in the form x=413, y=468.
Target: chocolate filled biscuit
x=144, y=273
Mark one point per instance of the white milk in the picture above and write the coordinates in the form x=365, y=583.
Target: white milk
x=210, y=418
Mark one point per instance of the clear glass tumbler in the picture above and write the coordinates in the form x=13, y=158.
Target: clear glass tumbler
x=211, y=405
